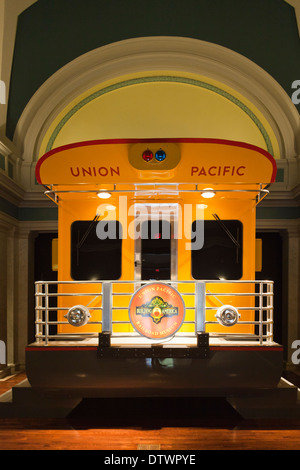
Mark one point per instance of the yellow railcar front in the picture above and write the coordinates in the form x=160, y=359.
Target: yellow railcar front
x=156, y=261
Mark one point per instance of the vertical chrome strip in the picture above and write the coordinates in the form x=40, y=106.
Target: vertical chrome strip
x=107, y=307
x=200, y=307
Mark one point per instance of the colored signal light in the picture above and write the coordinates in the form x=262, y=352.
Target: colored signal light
x=160, y=155
x=147, y=155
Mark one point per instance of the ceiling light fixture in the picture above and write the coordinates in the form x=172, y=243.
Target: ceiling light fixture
x=208, y=193
x=103, y=195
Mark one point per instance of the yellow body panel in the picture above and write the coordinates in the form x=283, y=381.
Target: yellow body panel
x=71, y=209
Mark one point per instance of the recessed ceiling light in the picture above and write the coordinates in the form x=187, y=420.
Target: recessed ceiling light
x=103, y=195
x=208, y=193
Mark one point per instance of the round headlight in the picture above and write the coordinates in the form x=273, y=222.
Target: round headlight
x=227, y=315
x=78, y=315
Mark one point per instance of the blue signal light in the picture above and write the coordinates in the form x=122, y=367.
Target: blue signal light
x=160, y=155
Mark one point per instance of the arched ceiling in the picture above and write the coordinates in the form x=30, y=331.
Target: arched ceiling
x=160, y=105
x=51, y=34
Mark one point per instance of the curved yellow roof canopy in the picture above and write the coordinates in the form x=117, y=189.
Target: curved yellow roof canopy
x=156, y=160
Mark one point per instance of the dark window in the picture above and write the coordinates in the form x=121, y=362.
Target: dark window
x=96, y=249
x=156, y=249
x=222, y=253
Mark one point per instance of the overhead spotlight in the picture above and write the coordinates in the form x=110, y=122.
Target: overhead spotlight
x=78, y=315
x=227, y=315
x=207, y=193
x=103, y=195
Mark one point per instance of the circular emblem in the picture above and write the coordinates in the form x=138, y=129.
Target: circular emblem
x=156, y=310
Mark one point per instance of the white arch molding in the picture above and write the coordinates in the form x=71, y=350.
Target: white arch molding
x=146, y=55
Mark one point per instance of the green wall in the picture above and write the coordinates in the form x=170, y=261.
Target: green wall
x=51, y=33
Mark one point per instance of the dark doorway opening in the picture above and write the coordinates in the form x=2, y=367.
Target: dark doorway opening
x=156, y=250
x=272, y=269
x=43, y=272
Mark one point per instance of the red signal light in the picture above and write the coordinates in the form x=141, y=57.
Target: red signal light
x=147, y=155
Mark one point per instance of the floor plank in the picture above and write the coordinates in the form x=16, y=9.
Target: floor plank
x=24, y=435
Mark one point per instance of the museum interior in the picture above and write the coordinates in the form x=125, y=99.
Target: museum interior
x=87, y=71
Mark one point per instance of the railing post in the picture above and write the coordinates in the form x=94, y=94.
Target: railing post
x=270, y=313
x=260, y=312
x=107, y=307
x=38, y=312
x=46, y=313
x=200, y=307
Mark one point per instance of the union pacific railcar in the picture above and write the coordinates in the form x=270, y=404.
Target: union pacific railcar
x=156, y=258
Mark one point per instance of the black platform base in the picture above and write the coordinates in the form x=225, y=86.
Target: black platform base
x=281, y=402
x=24, y=402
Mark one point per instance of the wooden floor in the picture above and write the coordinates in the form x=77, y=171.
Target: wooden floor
x=159, y=425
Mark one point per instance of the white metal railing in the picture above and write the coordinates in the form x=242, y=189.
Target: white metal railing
x=103, y=294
